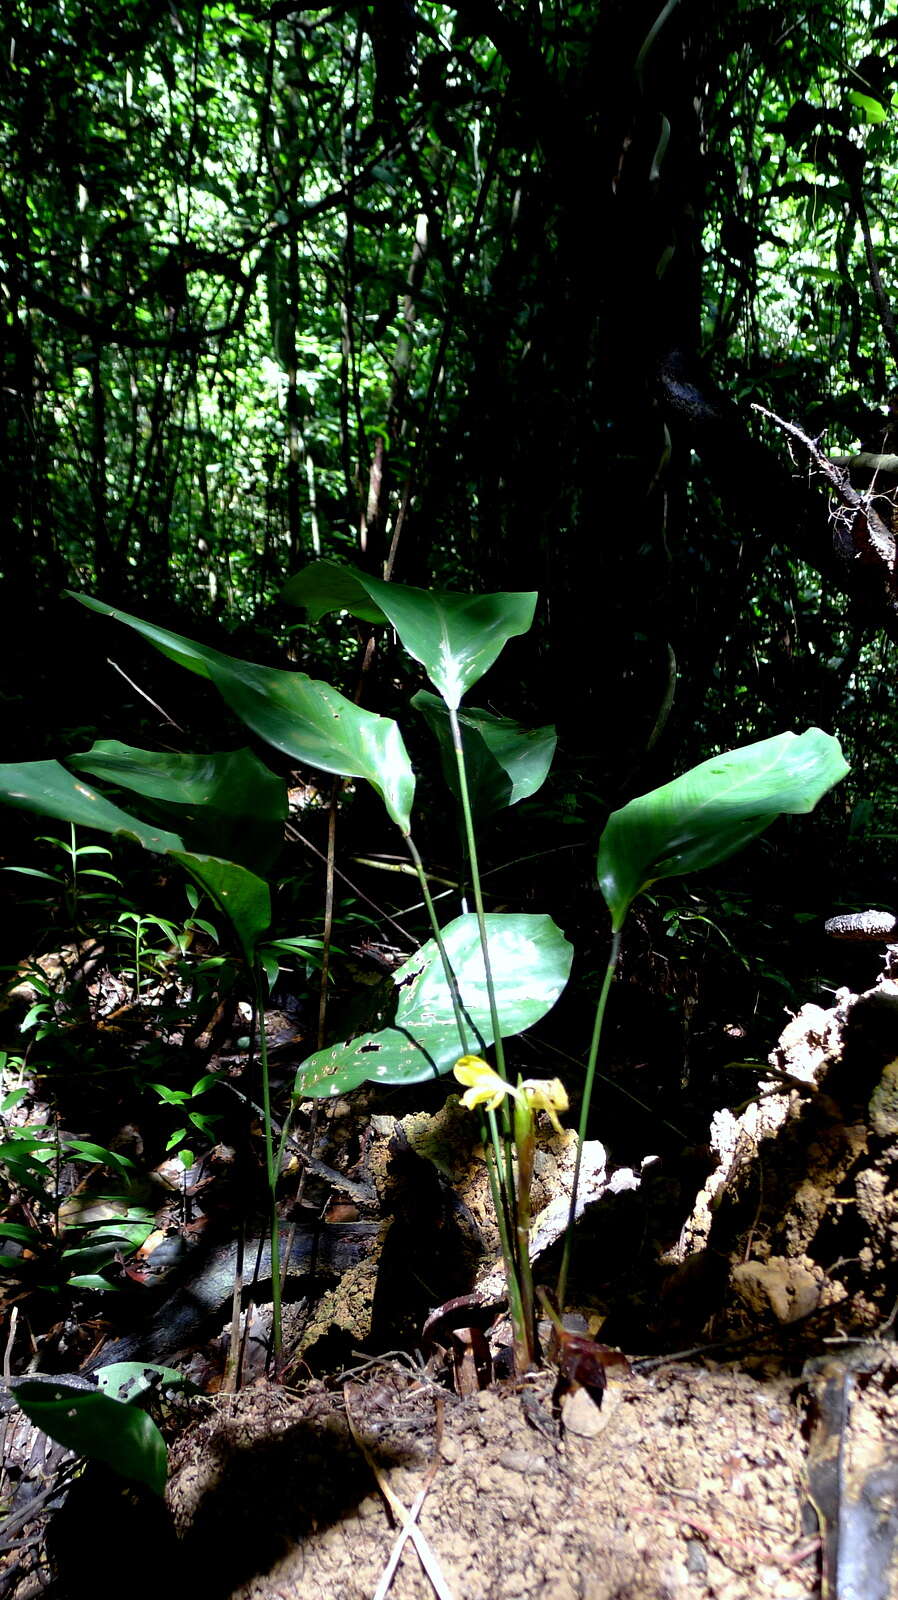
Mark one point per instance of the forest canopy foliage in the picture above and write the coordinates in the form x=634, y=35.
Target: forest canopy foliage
x=491, y=288
x=483, y=295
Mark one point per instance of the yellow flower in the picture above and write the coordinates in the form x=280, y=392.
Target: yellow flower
x=548, y=1095
x=485, y=1087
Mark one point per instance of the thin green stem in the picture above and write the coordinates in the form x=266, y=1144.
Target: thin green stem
x=525, y=1146
x=402, y=866
x=282, y=1140
x=73, y=854
x=270, y=1168
x=475, y=885
x=584, y=1115
x=501, y=1185
x=506, y=1236
x=500, y=1199
x=451, y=979
x=471, y=843
x=328, y=930
x=549, y=1309
x=514, y=1242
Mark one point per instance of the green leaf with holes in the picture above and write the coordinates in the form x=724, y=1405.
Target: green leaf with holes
x=127, y=1380
x=531, y=962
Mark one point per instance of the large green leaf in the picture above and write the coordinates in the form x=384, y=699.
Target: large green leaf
x=324, y=586
x=456, y=637
x=712, y=811
x=95, y=1426
x=242, y=897
x=232, y=804
x=504, y=763
x=198, y=658
x=305, y=718
x=530, y=960
x=46, y=787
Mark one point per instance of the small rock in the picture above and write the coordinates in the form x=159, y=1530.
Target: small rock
x=696, y=1560
x=884, y=1103
x=524, y=1461
x=787, y=1288
x=449, y=1450
x=581, y=1415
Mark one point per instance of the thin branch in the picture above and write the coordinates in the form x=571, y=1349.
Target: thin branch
x=883, y=304
x=415, y=1511
x=143, y=694
x=428, y=1559
x=293, y=833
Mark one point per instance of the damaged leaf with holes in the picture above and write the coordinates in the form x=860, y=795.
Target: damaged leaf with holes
x=531, y=962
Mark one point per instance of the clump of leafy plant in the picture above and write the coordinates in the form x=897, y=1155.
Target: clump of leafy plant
x=483, y=977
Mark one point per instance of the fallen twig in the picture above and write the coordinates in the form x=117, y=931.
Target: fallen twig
x=405, y=1518
x=414, y=1513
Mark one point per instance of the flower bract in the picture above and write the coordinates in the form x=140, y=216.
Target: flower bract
x=548, y=1095
x=484, y=1086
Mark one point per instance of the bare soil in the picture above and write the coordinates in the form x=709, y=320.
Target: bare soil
x=688, y=1482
